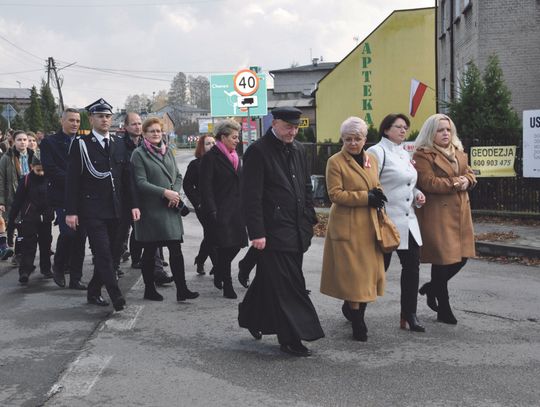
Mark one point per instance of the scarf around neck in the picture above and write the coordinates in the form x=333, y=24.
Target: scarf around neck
x=450, y=154
x=159, y=151
x=231, y=155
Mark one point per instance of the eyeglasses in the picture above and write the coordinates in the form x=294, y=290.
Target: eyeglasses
x=350, y=140
x=400, y=127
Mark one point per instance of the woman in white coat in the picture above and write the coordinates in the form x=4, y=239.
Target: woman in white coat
x=398, y=179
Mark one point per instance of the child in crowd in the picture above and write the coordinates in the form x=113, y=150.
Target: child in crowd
x=35, y=224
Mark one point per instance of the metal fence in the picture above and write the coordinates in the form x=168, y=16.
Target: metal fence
x=512, y=195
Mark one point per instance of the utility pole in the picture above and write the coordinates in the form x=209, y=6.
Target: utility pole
x=52, y=70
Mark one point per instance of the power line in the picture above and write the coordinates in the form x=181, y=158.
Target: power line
x=21, y=49
x=108, y=5
x=15, y=73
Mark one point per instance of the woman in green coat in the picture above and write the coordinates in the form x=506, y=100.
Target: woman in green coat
x=158, y=183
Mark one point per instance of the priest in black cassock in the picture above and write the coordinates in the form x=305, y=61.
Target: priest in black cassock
x=98, y=178
x=277, y=199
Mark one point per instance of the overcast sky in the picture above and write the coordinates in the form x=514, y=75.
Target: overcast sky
x=145, y=43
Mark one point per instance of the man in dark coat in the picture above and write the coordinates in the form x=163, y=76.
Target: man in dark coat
x=279, y=212
x=98, y=178
x=70, y=244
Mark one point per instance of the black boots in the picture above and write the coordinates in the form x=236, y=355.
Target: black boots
x=200, y=266
x=347, y=312
x=359, y=327
x=412, y=321
x=427, y=290
x=183, y=293
x=444, y=311
x=150, y=293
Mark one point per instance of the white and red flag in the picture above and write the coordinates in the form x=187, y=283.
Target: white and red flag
x=417, y=92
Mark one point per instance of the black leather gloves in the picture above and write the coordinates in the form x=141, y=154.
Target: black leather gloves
x=376, y=198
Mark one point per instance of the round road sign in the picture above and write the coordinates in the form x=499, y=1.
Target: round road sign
x=246, y=82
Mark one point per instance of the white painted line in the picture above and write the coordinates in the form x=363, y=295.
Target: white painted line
x=81, y=376
x=125, y=320
x=139, y=284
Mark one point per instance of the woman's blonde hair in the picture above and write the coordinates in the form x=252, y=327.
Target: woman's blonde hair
x=429, y=129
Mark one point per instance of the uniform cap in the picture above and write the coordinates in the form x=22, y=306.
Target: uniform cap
x=99, y=106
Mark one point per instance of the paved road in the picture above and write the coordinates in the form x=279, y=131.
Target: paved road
x=57, y=351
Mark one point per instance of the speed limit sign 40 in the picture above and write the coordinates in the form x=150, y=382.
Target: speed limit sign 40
x=246, y=82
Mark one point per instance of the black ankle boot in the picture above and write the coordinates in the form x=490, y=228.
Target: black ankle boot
x=218, y=281
x=228, y=290
x=150, y=293
x=412, y=321
x=183, y=293
x=200, y=266
x=445, y=313
x=359, y=327
x=427, y=289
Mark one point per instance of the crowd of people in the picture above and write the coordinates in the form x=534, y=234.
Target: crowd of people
x=98, y=187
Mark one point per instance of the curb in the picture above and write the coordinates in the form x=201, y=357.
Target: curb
x=499, y=249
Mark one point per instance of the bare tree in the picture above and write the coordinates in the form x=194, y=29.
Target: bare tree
x=199, y=91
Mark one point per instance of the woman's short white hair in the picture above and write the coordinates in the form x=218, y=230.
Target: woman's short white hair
x=354, y=126
x=429, y=129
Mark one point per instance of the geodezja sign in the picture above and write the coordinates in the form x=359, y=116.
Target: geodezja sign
x=495, y=161
x=238, y=94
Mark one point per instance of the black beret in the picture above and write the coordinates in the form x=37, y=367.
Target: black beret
x=288, y=114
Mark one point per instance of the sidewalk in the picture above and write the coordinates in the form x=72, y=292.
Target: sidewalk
x=526, y=244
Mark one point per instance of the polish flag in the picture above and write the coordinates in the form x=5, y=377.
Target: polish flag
x=417, y=92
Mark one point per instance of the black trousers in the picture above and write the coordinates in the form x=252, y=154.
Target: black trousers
x=70, y=247
x=225, y=256
x=101, y=234
x=441, y=274
x=410, y=275
x=31, y=235
x=176, y=261
x=122, y=236
x=135, y=248
x=205, y=249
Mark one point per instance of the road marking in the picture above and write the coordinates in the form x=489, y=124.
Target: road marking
x=81, y=376
x=125, y=320
x=138, y=284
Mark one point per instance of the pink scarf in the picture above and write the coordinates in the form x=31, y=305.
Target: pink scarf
x=231, y=155
x=159, y=151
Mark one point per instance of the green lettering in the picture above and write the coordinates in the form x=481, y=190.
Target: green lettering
x=367, y=90
x=367, y=76
x=366, y=104
x=365, y=62
x=368, y=119
x=366, y=49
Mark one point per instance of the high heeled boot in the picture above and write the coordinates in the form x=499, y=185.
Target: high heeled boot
x=428, y=291
x=150, y=292
x=179, y=274
x=359, y=327
x=444, y=313
x=413, y=322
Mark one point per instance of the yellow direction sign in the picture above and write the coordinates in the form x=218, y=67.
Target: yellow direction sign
x=304, y=122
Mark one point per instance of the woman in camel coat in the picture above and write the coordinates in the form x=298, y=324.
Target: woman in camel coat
x=444, y=176
x=353, y=265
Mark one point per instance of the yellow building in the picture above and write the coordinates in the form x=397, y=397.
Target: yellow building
x=374, y=79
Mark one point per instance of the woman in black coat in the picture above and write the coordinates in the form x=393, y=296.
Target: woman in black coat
x=192, y=190
x=219, y=180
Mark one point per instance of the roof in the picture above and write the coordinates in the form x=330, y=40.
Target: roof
x=322, y=66
x=14, y=93
x=302, y=102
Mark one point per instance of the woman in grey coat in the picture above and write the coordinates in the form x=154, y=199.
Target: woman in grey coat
x=158, y=183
